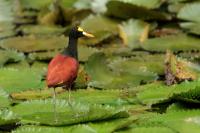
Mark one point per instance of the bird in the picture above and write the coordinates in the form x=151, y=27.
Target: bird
x=63, y=68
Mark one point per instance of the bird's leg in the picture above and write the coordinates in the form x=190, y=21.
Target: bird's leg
x=54, y=105
x=69, y=96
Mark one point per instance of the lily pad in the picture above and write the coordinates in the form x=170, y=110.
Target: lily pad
x=128, y=7
x=48, y=55
x=14, y=80
x=10, y=56
x=157, y=92
x=102, y=77
x=6, y=11
x=66, y=114
x=179, y=42
x=106, y=27
x=109, y=126
x=4, y=99
x=7, y=117
x=41, y=30
x=191, y=27
x=34, y=43
x=190, y=12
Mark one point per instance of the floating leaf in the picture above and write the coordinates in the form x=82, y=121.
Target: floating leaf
x=106, y=27
x=6, y=27
x=36, y=4
x=102, y=77
x=66, y=114
x=191, y=27
x=97, y=6
x=181, y=121
x=142, y=62
x=85, y=52
x=192, y=96
x=48, y=55
x=10, y=56
x=128, y=7
x=13, y=80
x=4, y=99
x=6, y=11
x=173, y=43
x=34, y=43
x=190, y=12
x=35, y=94
x=109, y=126
x=7, y=117
x=156, y=92
x=19, y=65
x=41, y=30
x=49, y=16
x=155, y=129
x=47, y=129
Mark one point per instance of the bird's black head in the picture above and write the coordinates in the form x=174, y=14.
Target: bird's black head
x=77, y=32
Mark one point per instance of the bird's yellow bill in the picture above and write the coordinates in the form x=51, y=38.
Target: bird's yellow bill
x=88, y=34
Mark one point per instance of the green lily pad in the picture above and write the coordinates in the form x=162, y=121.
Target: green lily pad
x=4, y=99
x=179, y=42
x=154, y=93
x=106, y=27
x=34, y=43
x=6, y=11
x=10, y=56
x=190, y=12
x=41, y=30
x=128, y=7
x=150, y=4
x=109, y=126
x=155, y=129
x=48, y=55
x=14, y=80
x=97, y=6
x=36, y=4
x=7, y=117
x=66, y=114
x=102, y=77
x=191, y=27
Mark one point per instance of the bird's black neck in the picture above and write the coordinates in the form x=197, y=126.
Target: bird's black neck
x=71, y=50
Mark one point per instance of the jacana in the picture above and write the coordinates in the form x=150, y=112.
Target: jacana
x=63, y=68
